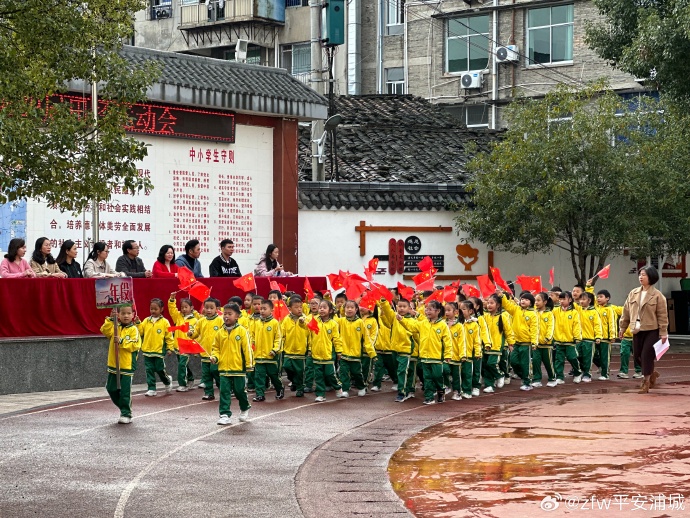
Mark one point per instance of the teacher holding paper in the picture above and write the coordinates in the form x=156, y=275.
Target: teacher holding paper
x=645, y=312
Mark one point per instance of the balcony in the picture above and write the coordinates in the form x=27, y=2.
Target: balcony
x=215, y=12
x=160, y=12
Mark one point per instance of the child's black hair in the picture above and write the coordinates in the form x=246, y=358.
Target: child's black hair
x=278, y=293
x=318, y=293
x=235, y=300
x=590, y=297
x=528, y=296
x=435, y=304
x=158, y=302
x=295, y=299
x=605, y=293
x=499, y=305
x=232, y=306
x=555, y=288
x=256, y=297
x=341, y=295
x=468, y=304
x=215, y=302
x=579, y=285
x=478, y=305
x=357, y=314
x=267, y=302
x=547, y=300
x=331, y=307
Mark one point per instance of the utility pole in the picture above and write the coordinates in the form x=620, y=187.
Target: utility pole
x=317, y=173
x=94, y=109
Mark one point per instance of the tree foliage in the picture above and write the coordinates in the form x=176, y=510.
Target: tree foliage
x=649, y=39
x=47, y=150
x=585, y=172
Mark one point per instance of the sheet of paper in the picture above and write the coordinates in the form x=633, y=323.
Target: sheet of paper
x=661, y=347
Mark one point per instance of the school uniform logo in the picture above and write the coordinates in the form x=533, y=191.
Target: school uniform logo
x=570, y=317
x=216, y=328
x=369, y=326
x=359, y=328
x=328, y=331
x=237, y=338
x=591, y=318
x=438, y=331
x=159, y=331
x=269, y=328
x=470, y=331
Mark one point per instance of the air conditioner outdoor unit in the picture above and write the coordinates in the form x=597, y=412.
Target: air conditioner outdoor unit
x=471, y=80
x=509, y=53
x=241, y=50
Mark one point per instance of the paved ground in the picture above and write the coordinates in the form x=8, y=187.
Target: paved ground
x=294, y=458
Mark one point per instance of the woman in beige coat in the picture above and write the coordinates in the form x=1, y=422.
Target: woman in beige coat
x=645, y=312
x=43, y=263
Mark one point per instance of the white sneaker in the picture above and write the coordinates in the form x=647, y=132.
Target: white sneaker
x=515, y=376
x=244, y=415
x=475, y=392
x=343, y=394
x=375, y=389
x=577, y=379
x=507, y=380
x=489, y=390
x=124, y=420
x=168, y=387
x=362, y=392
x=622, y=375
x=394, y=387
x=447, y=390
x=500, y=382
x=560, y=382
x=339, y=393
x=456, y=396
x=586, y=379
x=638, y=375
x=319, y=399
x=537, y=384
x=552, y=383
x=151, y=393
x=223, y=420
x=526, y=387
x=466, y=396
x=603, y=378
x=182, y=388
x=201, y=385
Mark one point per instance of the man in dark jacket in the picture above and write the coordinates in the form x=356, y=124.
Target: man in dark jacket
x=224, y=265
x=129, y=261
x=190, y=258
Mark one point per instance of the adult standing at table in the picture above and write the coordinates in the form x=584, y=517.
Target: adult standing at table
x=224, y=265
x=67, y=260
x=268, y=265
x=97, y=264
x=164, y=267
x=43, y=263
x=645, y=312
x=14, y=265
x=129, y=262
x=190, y=258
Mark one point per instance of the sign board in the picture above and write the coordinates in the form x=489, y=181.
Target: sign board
x=114, y=292
x=412, y=260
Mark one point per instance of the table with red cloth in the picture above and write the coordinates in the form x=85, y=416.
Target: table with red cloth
x=67, y=307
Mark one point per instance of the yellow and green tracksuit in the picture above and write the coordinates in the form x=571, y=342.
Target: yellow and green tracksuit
x=374, y=330
x=478, y=356
x=356, y=342
x=499, y=347
x=590, y=322
x=205, y=333
x=268, y=343
x=457, y=336
x=387, y=357
x=435, y=348
x=609, y=332
x=130, y=343
x=156, y=342
x=252, y=318
x=405, y=344
x=543, y=354
x=295, y=346
x=324, y=345
x=473, y=348
x=526, y=329
x=185, y=376
x=233, y=352
x=567, y=333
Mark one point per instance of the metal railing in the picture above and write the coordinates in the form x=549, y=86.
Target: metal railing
x=216, y=11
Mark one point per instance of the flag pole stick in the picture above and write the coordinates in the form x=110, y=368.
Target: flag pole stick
x=116, y=341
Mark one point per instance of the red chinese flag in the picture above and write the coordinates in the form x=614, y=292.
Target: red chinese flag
x=381, y=292
x=186, y=346
x=436, y=295
x=471, y=291
x=185, y=277
x=313, y=325
x=496, y=274
x=246, y=283
x=425, y=264
x=184, y=328
x=368, y=302
x=335, y=280
x=424, y=277
x=429, y=285
x=486, y=287
x=354, y=289
x=277, y=286
x=199, y=291
x=529, y=283
x=405, y=292
x=604, y=272
x=280, y=310
x=307, y=289
x=551, y=276
x=373, y=265
x=450, y=293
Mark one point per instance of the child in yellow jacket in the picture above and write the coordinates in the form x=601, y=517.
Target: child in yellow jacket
x=500, y=328
x=544, y=351
x=123, y=352
x=472, y=349
x=185, y=376
x=323, y=344
x=356, y=342
x=525, y=327
x=268, y=344
x=405, y=343
x=232, y=353
x=590, y=321
x=205, y=333
x=457, y=336
x=157, y=342
x=295, y=344
x=370, y=317
x=566, y=335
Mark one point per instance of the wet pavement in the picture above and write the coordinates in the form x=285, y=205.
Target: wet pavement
x=300, y=458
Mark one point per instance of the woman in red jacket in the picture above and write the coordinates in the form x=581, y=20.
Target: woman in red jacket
x=165, y=266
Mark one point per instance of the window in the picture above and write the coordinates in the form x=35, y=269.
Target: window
x=473, y=116
x=296, y=3
x=296, y=59
x=467, y=44
x=394, y=16
x=253, y=55
x=395, y=81
x=550, y=35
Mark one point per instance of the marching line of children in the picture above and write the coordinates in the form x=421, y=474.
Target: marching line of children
x=321, y=346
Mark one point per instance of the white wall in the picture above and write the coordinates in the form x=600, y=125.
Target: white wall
x=328, y=242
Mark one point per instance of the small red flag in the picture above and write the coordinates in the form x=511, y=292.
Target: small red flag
x=313, y=325
x=424, y=277
x=184, y=328
x=185, y=277
x=496, y=274
x=450, y=293
x=280, y=310
x=429, y=285
x=307, y=289
x=353, y=285
x=551, y=276
x=436, y=295
x=405, y=292
x=186, y=346
x=381, y=292
x=246, y=283
x=425, y=264
x=335, y=280
x=199, y=291
x=373, y=265
x=529, y=283
x=368, y=302
x=604, y=272
x=485, y=285
x=471, y=291
x=277, y=286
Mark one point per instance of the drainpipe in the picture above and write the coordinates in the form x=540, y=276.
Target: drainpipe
x=494, y=70
x=354, y=48
x=380, y=29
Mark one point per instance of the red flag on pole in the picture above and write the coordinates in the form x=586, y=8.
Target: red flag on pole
x=450, y=293
x=246, y=283
x=186, y=346
x=471, y=291
x=313, y=325
x=184, y=328
x=425, y=264
x=277, y=286
x=424, y=277
x=496, y=274
x=199, y=291
x=381, y=292
x=551, y=277
x=604, y=272
x=307, y=289
x=335, y=280
x=371, y=268
x=368, y=302
x=530, y=283
x=280, y=310
x=405, y=292
x=185, y=277
x=436, y=295
x=485, y=285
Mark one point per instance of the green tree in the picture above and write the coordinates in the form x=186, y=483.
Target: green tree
x=47, y=149
x=587, y=173
x=649, y=39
